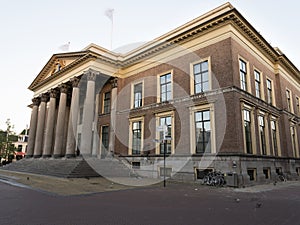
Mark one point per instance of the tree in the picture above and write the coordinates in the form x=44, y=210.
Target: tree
x=6, y=142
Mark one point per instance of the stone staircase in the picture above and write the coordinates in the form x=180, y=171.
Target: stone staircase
x=73, y=168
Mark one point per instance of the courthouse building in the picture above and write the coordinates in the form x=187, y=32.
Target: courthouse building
x=219, y=94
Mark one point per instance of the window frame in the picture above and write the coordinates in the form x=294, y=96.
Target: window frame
x=158, y=116
x=193, y=110
x=104, y=101
x=275, y=121
x=133, y=94
x=130, y=142
x=159, y=100
x=270, y=97
x=252, y=128
x=246, y=82
x=192, y=75
x=258, y=82
x=102, y=147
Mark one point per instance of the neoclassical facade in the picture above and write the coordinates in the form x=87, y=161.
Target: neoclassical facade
x=218, y=94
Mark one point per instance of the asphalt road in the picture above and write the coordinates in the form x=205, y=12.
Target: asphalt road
x=177, y=204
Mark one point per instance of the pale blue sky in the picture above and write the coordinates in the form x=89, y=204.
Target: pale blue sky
x=33, y=30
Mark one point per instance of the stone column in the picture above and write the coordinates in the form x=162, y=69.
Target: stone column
x=112, y=134
x=95, y=128
x=72, y=127
x=59, y=133
x=38, y=145
x=88, y=114
x=32, y=131
x=50, y=124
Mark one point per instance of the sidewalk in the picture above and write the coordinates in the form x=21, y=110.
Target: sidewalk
x=60, y=186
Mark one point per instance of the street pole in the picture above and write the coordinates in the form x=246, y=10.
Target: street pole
x=165, y=147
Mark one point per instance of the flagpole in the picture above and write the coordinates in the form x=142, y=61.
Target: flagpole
x=111, y=32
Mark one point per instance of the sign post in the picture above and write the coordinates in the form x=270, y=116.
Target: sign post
x=164, y=128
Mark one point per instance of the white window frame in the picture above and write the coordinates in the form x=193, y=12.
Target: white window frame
x=192, y=79
x=248, y=80
x=157, y=120
x=158, y=84
x=291, y=100
x=193, y=110
x=101, y=129
x=244, y=106
x=261, y=82
x=132, y=93
x=266, y=132
x=275, y=119
x=273, y=91
x=131, y=121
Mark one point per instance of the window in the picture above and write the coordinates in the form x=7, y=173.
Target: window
x=252, y=174
x=257, y=84
x=288, y=99
x=243, y=75
x=19, y=149
x=105, y=137
x=201, y=77
x=269, y=92
x=136, y=137
x=294, y=140
x=106, y=103
x=168, y=122
x=274, y=137
x=137, y=95
x=262, y=134
x=203, y=131
x=297, y=104
x=247, y=130
x=165, y=87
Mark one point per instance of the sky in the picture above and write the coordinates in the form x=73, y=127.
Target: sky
x=33, y=30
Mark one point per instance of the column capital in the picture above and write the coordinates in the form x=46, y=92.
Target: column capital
x=75, y=81
x=91, y=74
x=63, y=88
x=36, y=101
x=114, y=82
x=53, y=93
x=44, y=97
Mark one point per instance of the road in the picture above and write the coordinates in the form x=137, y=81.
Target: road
x=177, y=204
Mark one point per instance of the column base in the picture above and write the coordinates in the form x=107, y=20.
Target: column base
x=37, y=156
x=28, y=156
x=56, y=156
x=68, y=156
x=46, y=156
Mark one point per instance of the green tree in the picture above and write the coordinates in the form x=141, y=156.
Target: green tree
x=7, y=138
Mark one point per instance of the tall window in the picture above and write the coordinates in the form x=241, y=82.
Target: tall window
x=243, y=75
x=168, y=122
x=297, y=104
x=105, y=137
x=136, y=137
x=257, y=84
x=203, y=131
x=269, y=92
x=262, y=134
x=293, y=136
x=165, y=87
x=274, y=137
x=106, y=102
x=137, y=95
x=288, y=99
x=201, y=80
x=247, y=128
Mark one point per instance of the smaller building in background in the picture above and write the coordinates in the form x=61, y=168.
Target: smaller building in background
x=21, y=145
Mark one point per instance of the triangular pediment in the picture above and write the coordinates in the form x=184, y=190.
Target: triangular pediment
x=58, y=64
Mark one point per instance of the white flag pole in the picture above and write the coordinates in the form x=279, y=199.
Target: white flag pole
x=110, y=14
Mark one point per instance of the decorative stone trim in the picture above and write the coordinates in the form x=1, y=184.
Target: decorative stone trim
x=36, y=101
x=75, y=81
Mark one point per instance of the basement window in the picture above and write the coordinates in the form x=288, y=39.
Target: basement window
x=136, y=165
x=252, y=174
x=267, y=172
